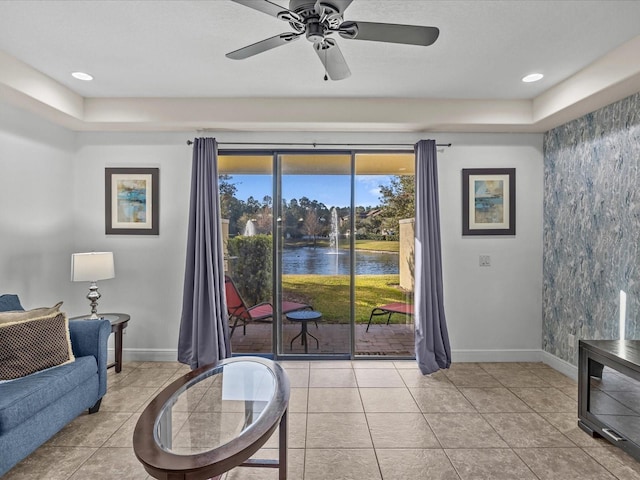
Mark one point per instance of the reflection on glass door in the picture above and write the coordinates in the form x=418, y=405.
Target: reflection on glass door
x=384, y=259
x=246, y=186
x=314, y=260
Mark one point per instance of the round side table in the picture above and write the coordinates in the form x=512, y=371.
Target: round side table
x=119, y=322
x=303, y=317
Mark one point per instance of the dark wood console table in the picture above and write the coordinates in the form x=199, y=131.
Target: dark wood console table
x=609, y=391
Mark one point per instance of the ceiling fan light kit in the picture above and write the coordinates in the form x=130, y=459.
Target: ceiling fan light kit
x=317, y=20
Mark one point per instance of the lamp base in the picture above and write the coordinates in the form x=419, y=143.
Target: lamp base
x=93, y=296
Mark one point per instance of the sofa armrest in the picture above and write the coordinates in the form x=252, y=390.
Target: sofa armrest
x=89, y=337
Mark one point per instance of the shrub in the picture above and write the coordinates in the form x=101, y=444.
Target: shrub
x=251, y=267
x=377, y=237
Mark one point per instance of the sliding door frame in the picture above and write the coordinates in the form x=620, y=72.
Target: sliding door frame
x=276, y=267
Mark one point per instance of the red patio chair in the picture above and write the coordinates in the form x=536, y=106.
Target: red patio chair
x=239, y=312
x=390, y=309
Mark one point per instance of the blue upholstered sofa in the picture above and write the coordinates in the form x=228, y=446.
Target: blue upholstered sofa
x=36, y=407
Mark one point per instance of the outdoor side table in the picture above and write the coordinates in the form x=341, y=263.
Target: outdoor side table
x=119, y=322
x=304, y=317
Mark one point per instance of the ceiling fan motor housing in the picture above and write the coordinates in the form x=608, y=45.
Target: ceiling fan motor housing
x=316, y=23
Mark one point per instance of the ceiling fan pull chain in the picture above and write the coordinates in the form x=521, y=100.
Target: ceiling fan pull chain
x=326, y=77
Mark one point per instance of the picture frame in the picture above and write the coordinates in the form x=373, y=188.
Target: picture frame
x=132, y=205
x=488, y=201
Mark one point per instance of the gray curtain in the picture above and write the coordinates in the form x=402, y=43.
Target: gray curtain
x=432, y=339
x=204, y=326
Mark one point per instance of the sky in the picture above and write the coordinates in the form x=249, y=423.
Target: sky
x=332, y=190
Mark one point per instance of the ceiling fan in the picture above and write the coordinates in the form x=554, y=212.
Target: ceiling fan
x=317, y=20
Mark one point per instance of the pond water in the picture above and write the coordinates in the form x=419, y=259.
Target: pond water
x=321, y=261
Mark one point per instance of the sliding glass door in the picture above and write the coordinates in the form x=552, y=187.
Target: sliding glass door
x=320, y=248
x=314, y=254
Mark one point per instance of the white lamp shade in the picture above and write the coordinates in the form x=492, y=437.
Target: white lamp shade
x=91, y=267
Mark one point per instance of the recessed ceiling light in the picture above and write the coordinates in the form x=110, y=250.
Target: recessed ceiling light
x=532, y=77
x=82, y=76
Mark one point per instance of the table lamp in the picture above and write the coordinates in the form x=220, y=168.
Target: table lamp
x=91, y=267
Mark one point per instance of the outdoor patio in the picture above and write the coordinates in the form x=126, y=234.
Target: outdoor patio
x=384, y=340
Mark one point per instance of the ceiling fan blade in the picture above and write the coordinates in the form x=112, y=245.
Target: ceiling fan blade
x=273, y=9
x=331, y=57
x=263, y=46
x=389, y=32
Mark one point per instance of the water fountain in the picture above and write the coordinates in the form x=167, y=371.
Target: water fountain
x=333, y=261
x=249, y=229
x=335, y=232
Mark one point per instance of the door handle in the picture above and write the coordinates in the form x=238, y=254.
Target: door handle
x=613, y=435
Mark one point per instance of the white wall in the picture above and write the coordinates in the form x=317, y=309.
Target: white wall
x=52, y=204
x=36, y=208
x=493, y=313
x=149, y=269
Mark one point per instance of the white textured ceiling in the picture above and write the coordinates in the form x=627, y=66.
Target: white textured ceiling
x=176, y=49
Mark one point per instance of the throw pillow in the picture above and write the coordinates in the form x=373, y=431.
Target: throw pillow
x=20, y=315
x=9, y=301
x=35, y=344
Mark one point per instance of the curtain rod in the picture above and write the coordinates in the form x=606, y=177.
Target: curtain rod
x=314, y=144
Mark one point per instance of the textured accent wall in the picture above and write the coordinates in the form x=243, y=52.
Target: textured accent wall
x=591, y=227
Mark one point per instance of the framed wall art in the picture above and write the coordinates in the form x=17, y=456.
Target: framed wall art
x=132, y=201
x=488, y=201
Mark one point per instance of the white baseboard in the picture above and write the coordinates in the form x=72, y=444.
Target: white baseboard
x=514, y=355
x=507, y=355
x=148, y=354
x=562, y=366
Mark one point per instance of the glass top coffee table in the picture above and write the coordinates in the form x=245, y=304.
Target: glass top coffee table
x=213, y=419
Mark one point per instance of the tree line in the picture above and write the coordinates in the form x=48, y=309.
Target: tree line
x=309, y=218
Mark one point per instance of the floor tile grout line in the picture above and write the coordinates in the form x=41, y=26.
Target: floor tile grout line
x=116, y=430
x=525, y=463
x=458, y=473
x=527, y=413
x=82, y=463
x=306, y=431
x=600, y=463
x=576, y=447
x=373, y=445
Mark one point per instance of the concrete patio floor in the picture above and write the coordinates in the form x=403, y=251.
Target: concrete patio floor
x=385, y=340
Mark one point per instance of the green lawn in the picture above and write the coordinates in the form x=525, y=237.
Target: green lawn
x=378, y=245
x=329, y=294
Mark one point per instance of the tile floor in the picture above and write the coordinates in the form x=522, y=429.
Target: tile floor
x=370, y=420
